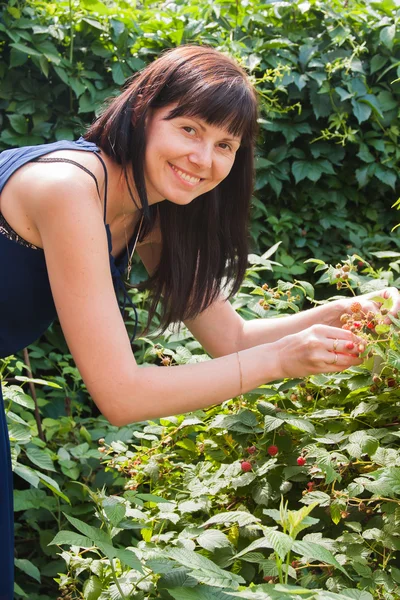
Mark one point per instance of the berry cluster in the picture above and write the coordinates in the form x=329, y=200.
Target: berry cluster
x=272, y=295
x=358, y=320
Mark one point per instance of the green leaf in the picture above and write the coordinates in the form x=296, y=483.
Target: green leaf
x=92, y=588
x=40, y=458
x=280, y=542
x=317, y=497
x=240, y=517
x=25, y=49
x=205, y=570
x=307, y=287
x=18, y=123
x=118, y=73
x=377, y=62
x=28, y=474
x=317, y=552
x=203, y=592
x=70, y=538
x=17, y=58
x=336, y=512
x=97, y=535
x=272, y=423
x=16, y=395
x=262, y=493
x=302, y=169
x=28, y=568
x=212, y=539
x=387, y=35
x=38, y=381
x=115, y=513
x=129, y=558
x=361, y=111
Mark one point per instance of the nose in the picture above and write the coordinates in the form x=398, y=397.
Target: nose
x=202, y=156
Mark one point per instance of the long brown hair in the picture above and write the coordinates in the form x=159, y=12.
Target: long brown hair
x=205, y=243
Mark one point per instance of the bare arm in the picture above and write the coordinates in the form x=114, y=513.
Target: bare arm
x=221, y=330
x=69, y=219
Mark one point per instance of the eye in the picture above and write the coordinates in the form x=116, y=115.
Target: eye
x=225, y=146
x=190, y=130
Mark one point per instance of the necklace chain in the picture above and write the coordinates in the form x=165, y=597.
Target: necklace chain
x=129, y=266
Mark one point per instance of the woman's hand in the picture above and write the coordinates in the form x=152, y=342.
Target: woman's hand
x=319, y=349
x=370, y=302
x=368, y=305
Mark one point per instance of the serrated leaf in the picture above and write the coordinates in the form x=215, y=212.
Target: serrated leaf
x=272, y=423
x=317, y=497
x=40, y=458
x=240, y=517
x=71, y=538
x=203, y=592
x=115, y=513
x=97, y=535
x=28, y=567
x=15, y=394
x=262, y=493
x=315, y=551
x=212, y=539
x=260, y=543
x=92, y=588
x=205, y=570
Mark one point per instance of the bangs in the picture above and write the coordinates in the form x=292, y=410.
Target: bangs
x=230, y=105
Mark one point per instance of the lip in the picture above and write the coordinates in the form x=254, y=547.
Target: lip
x=190, y=184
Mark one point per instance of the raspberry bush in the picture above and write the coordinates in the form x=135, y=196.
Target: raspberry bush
x=202, y=505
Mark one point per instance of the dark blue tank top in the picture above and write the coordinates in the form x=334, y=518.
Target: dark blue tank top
x=26, y=310
x=26, y=302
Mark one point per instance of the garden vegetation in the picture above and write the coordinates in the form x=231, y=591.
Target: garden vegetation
x=293, y=490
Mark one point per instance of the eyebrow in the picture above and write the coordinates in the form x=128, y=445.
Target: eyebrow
x=230, y=139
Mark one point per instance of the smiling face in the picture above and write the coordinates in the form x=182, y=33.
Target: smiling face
x=185, y=156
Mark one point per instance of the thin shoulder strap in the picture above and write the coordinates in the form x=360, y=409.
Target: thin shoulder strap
x=73, y=162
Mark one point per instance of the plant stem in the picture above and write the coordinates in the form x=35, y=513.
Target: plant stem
x=114, y=574
x=33, y=394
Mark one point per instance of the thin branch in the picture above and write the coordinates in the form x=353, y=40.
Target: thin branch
x=33, y=393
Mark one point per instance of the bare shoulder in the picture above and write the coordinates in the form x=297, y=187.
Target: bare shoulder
x=44, y=187
x=43, y=179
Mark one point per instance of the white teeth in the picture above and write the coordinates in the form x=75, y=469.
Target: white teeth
x=185, y=176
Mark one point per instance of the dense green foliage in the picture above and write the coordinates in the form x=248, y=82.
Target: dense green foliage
x=216, y=503
x=327, y=77
x=177, y=516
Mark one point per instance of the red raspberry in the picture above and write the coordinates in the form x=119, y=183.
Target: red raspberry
x=301, y=461
x=391, y=382
x=371, y=325
x=355, y=307
x=357, y=324
x=273, y=450
x=246, y=466
x=350, y=346
x=251, y=449
x=310, y=486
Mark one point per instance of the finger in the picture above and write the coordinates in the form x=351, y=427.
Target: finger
x=340, y=362
x=348, y=347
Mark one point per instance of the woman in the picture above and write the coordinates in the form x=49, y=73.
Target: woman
x=182, y=131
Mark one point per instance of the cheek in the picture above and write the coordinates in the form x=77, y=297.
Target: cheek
x=224, y=168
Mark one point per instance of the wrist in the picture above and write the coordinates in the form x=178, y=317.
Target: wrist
x=272, y=360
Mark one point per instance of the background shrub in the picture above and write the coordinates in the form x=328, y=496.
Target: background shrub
x=327, y=170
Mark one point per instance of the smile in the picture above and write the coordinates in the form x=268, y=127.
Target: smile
x=185, y=176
